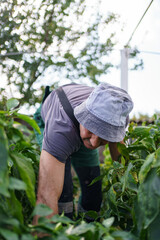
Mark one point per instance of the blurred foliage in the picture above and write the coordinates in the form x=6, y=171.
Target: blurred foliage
x=134, y=55
x=40, y=39
x=19, y=161
x=144, y=118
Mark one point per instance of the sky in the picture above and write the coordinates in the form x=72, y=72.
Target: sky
x=143, y=85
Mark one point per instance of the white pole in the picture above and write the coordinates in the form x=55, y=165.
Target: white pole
x=124, y=68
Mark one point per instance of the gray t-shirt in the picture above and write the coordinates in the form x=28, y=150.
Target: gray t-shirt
x=61, y=137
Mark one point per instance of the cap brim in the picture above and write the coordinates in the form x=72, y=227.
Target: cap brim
x=97, y=126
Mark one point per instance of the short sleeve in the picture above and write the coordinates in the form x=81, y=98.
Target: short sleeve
x=61, y=137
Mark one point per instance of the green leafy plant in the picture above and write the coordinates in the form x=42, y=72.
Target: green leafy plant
x=19, y=166
x=131, y=187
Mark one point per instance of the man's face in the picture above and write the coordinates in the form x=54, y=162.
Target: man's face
x=90, y=140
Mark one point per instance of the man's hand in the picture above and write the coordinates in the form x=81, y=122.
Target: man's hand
x=50, y=185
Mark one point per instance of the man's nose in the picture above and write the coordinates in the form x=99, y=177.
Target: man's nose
x=95, y=141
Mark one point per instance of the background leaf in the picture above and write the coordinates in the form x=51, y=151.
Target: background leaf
x=27, y=174
x=42, y=210
x=30, y=121
x=8, y=235
x=108, y=222
x=12, y=103
x=17, y=184
x=83, y=228
x=3, y=149
x=148, y=198
x=15, y=207
x=146, y=167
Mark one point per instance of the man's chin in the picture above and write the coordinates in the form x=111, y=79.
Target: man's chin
x=88, y=146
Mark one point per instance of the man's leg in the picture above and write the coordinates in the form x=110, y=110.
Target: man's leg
x=86, y=165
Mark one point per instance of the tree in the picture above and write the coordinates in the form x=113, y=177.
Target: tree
x=49, y=38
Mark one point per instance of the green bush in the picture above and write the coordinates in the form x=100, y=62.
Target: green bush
x=19, y=160
x=131, y=187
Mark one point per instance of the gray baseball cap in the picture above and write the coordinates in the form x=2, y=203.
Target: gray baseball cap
x=105, y=112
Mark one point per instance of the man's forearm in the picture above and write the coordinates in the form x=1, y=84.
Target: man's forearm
x=50, y=184
x=114, y=151
x=43, y=198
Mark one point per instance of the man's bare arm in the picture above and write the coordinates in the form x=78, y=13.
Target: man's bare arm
x=51, y=179
x=114, y=151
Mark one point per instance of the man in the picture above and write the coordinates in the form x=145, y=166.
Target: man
x=102, y=115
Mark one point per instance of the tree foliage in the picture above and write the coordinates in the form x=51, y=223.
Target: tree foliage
x=50, y=40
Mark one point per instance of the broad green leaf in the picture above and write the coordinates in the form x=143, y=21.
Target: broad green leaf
x=10, y=221
x=131, y=182
x=146, y=167
x=21, y=127
x=91, y=214
x=126, y=176
x=8, y=235
x=148, y=198
x=122, y=235
x=112, y=199
x=4, y=183
x=140, y=131
x=83, y=228
x=27, y=237
x=12, y=103
x=4, y=191
x=123, y=150
x=17, y=184
x=27, y=174
x=149, y=144
x=96, y=179
x=45, y=227
x=136, y=147
x=156, y=183
x=108, y=238
x=42, y=210
x=3, y=112
x=30, y=121
x=62, y=219
x=138, y=217
x=15, y=207
x=123, y=161
x=3, y=149
x=62, y=236
x=108, y=222
x=16, y=134
x=156, y=163
x=154, y=229
x=102, y=230
x=117, y=165
x=3, y=122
